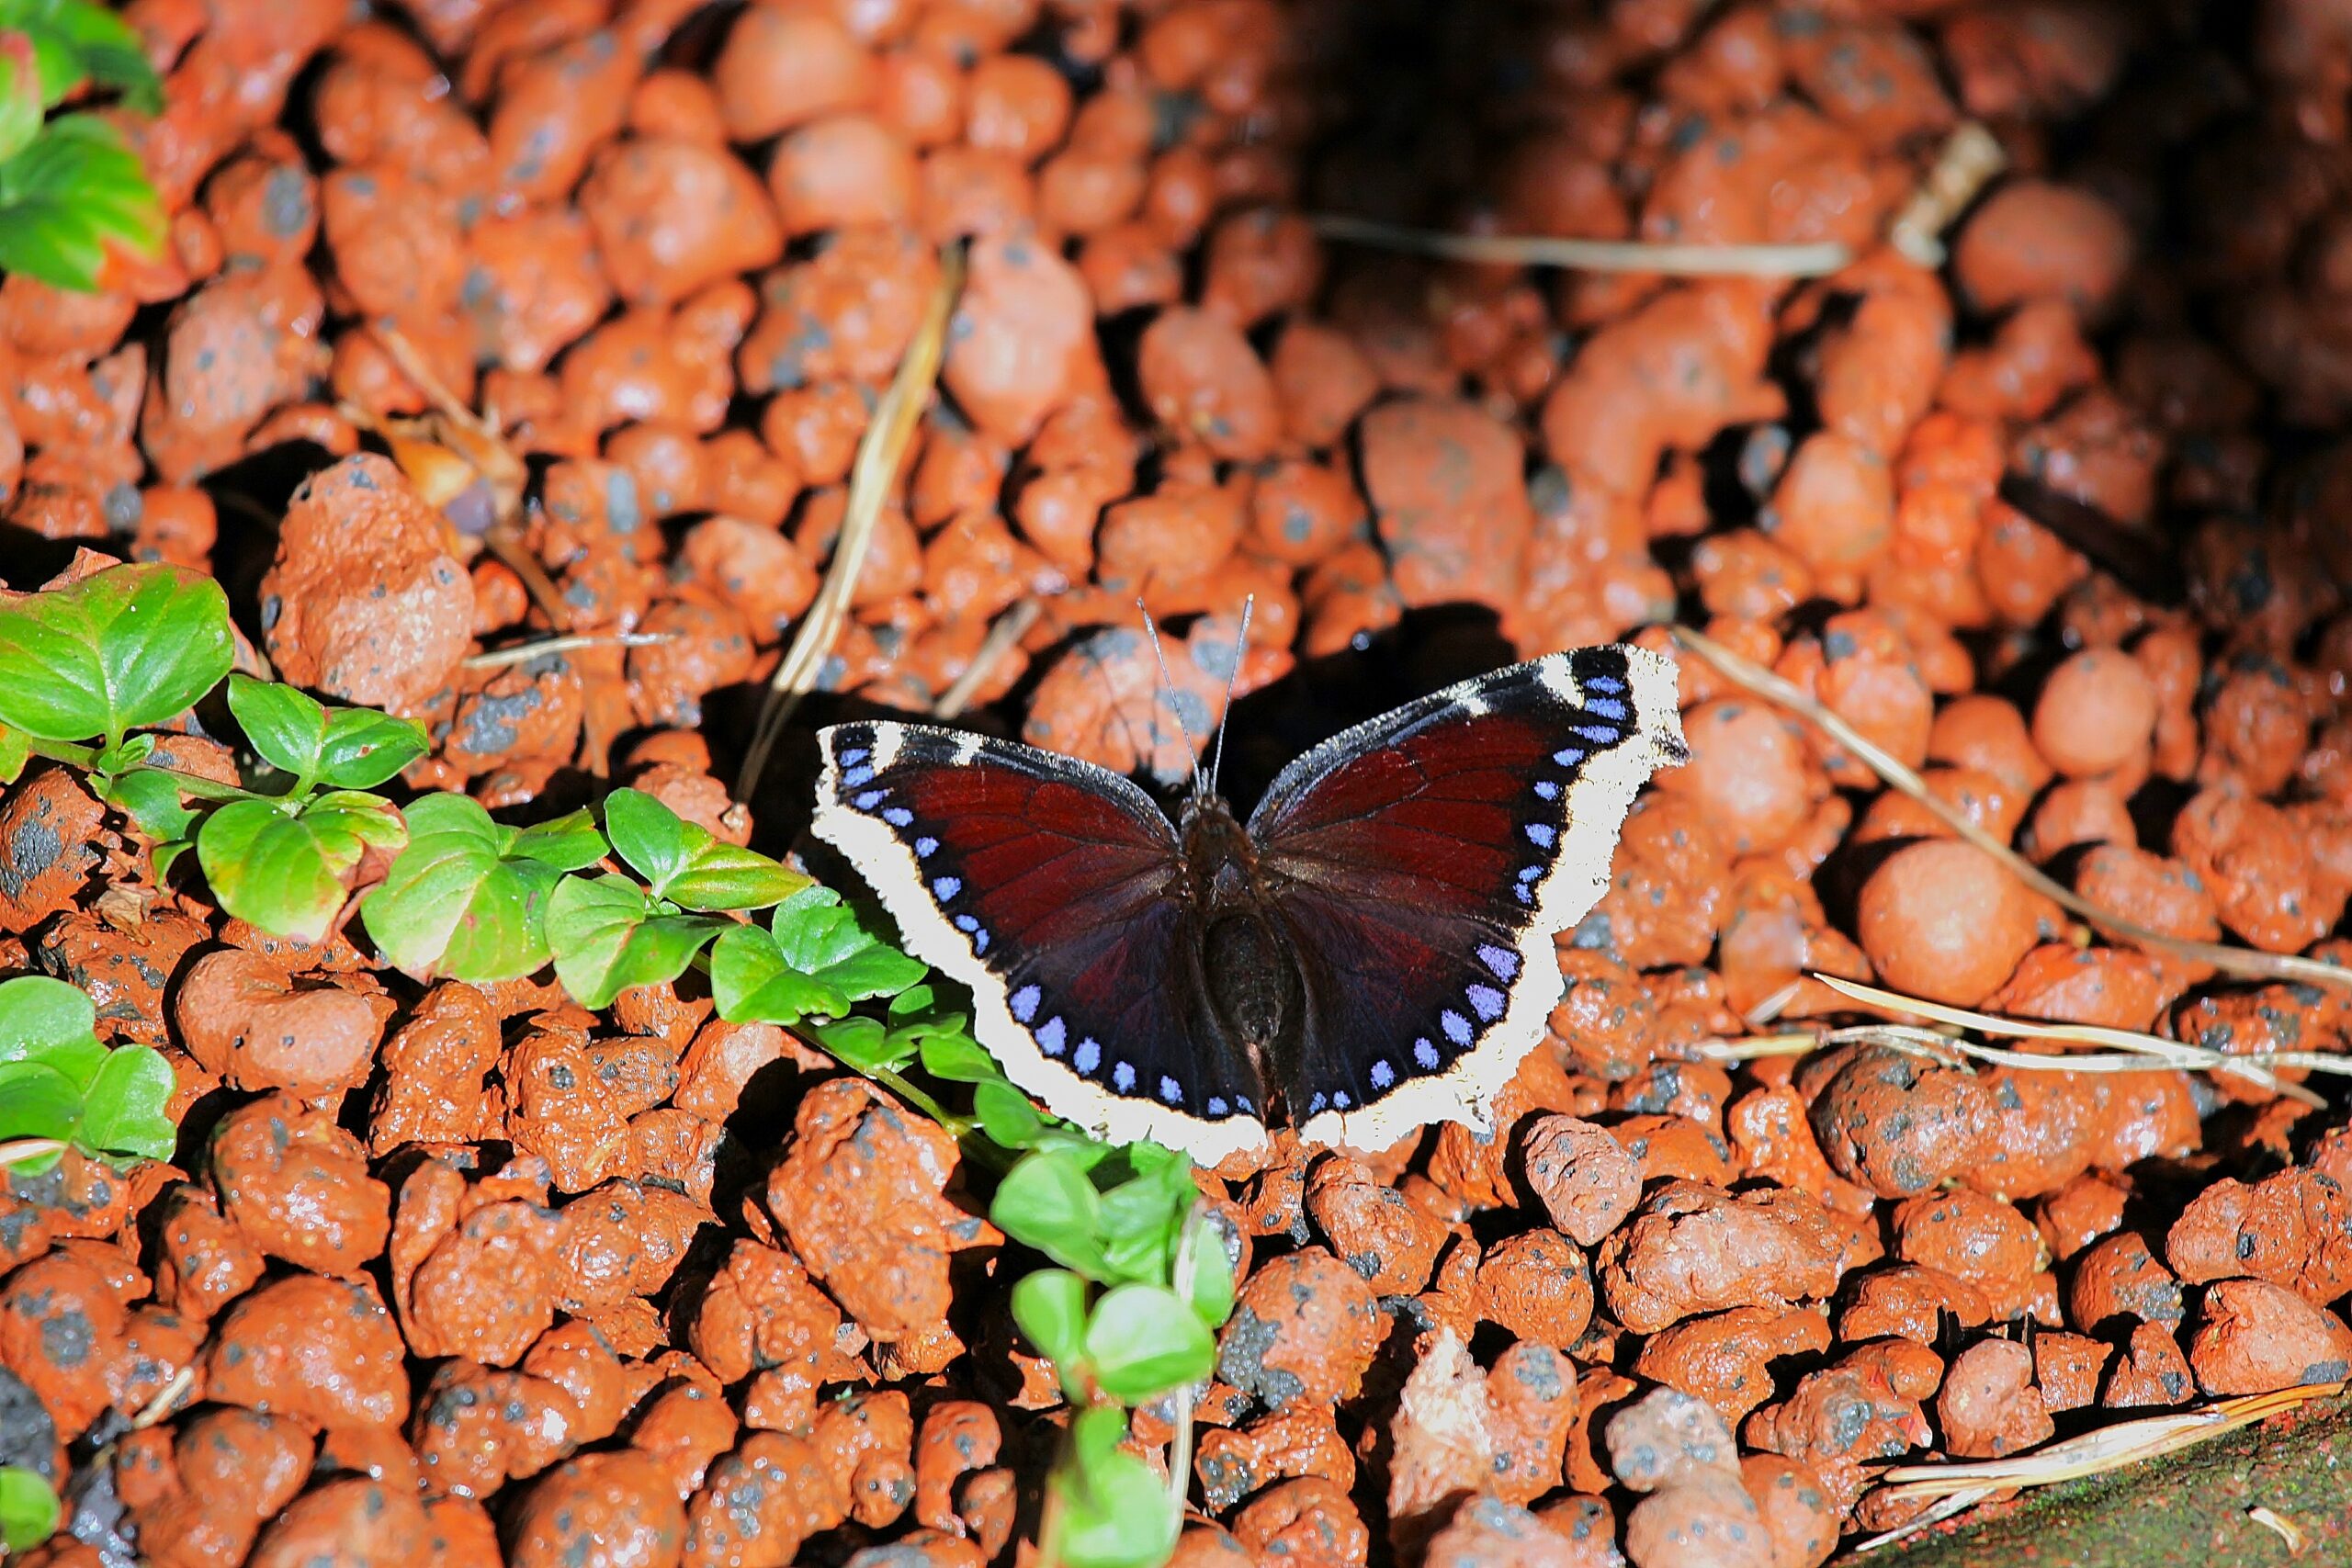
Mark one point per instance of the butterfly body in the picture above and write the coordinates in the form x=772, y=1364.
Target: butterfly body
x=1370, y=952
x=1246, y=959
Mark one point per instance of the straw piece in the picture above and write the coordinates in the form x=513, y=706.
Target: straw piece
x=1971, y=156
x=880, y=453
x=523, y=652
x=1010, y=628
x=2134, y=1048
x=2239, y=961
x=1589, y=255
x=2108, y=1449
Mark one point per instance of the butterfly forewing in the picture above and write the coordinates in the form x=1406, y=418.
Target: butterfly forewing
x=1048, y=886
x=1425, y=862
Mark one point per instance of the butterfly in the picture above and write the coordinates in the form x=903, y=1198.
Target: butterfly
x=1370, y=952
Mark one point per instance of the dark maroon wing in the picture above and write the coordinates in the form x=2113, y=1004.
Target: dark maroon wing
x=1047, y=885
x=1424, y=863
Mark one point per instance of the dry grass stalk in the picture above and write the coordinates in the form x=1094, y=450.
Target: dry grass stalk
x=2242, y=962
x=2108, y=1449
x=2128, y=1051
x=881, y=452
x=1010, y=628
x=523, y=652
x=2279, y=1525
x=1816, y=260
x=438, y=452
x=1970, y=157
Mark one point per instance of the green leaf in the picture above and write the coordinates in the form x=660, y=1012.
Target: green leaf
x=1206, y=1279
x=1047, y=1201
x=751, y=983
x=1049, y=1308
x=122, y=1108
x=1115, y=1512
x=344, y=748
x=52, y=1023
x=684, y=864
x=282, y=867
x=607, y=936
x=38, y=1101
x=130, y=646
x=820, y=936
x=1144, y=1340
x=74, y=41
x=468, y=896
x=149, y=797
x=75, y=190
x=29, y=1509
x=124, y=754
x=1006, y=1115
x=16, y=750
x=861, y=1044
x=819, y=960
x=956, y=1058
x=20, y=100
x=569, y=844
x=285, y=725
x=365, y=748
x=39, y=1016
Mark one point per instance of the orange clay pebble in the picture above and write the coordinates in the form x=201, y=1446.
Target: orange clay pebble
x=841, y=171
x=1203, y=382
x=1944, y=920
x=2095, y=713
x=2034, y=239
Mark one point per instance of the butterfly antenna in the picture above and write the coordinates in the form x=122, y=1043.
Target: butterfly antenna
x=1240, y=643
x=1168, y=676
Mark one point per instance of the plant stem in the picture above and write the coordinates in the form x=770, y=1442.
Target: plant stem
x=86, y=758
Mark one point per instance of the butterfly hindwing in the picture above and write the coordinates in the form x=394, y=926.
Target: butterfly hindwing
x=1428, y=860
x=1047, y=885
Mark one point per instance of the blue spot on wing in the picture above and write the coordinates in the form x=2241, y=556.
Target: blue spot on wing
x=945, y=887
x=857, y=776
x=1502, y=961
x=1607, y=707
x=1050, y=1038
x=1425, y=1056
x=1568, y=756
x=900, y=817
x=1087, y=1058
x=1541, y=835
x=1383, y=1075
x=1171, y=1090
x=1546, y=789
x=925, y=848
x=1456, y=1027
x=1123, y=1076
x=1024, y=1002
x=869, y=799
x=853, y=756
x=1487, y=1002
x=1597, y=735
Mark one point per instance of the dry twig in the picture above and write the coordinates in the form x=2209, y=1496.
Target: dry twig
x=2239, y=961
x=1010, y=628
x=880, y=453
x=1970, y=157
x=1815, y=259
x=2127, y=1050
x=2094, y=1453
x=523, y=652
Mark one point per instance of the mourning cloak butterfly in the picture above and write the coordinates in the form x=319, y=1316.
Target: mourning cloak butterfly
x=1372, y=953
